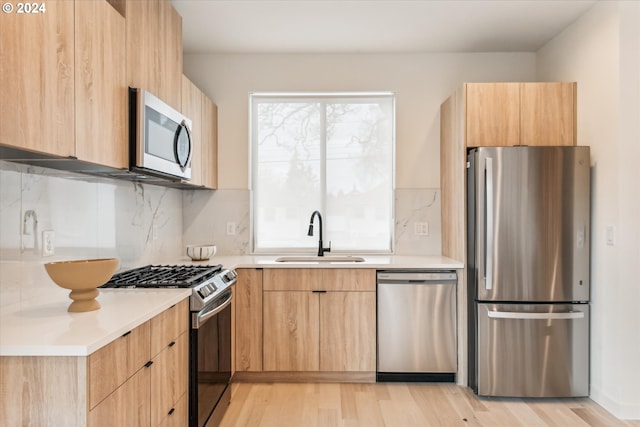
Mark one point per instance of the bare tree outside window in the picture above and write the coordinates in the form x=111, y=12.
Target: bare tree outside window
x=328, y=153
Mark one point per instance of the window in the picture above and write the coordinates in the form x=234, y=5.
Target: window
x=327, y=152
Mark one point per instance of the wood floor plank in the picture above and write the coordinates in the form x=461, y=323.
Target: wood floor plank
x=402, y=405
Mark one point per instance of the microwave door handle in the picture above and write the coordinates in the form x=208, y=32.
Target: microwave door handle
x=489, y=224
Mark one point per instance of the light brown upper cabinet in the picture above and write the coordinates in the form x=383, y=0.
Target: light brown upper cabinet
x=37, y=84
x=192, y=108
x=505, y=114
x=154, y=49
x=204, y=134
x=100, y=85
x=209, y=143
x=63, y=82
x=495, y=114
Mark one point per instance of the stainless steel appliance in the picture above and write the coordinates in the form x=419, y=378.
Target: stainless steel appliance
x=416, y=326
x=528, y=271
x=160, y=137
x=210, y=332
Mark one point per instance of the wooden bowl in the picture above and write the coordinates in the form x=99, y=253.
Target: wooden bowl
x=82, y=277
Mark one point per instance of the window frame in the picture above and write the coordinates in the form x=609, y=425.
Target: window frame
x=317, y=97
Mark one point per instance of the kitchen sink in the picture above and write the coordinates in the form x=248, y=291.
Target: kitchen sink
x=308, y=258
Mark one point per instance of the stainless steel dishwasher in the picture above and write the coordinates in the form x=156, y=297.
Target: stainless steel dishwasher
x=416, y=325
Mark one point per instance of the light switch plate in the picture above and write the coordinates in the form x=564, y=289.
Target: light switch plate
x=48, y=248
x=611, y=235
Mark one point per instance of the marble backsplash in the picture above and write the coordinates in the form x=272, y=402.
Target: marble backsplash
x=90, y=218
x=142, y=224
x=233, y=206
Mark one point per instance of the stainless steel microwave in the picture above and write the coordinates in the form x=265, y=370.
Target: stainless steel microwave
x=160, y=137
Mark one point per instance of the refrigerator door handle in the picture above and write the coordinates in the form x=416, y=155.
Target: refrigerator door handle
x=488, y=236
x=541, y=316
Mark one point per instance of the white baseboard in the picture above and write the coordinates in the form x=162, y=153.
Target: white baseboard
x=621, y=410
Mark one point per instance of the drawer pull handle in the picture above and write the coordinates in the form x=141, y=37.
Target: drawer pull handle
x=125, y=334
x=172, y=343
x=172, y=411
x=149, y=363
x=319, y=292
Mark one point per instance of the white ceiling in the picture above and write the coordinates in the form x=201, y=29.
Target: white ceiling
x=373, y=26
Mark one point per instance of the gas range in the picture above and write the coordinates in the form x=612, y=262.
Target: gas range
x=208, y=282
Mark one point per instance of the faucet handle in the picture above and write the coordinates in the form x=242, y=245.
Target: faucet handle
x=327, y=249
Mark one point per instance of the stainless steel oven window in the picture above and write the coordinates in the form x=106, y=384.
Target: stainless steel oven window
x=210, y=363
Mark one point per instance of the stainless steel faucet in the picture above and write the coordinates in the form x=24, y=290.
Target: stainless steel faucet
x=321, y=250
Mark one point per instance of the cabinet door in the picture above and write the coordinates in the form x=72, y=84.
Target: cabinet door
x=291, y=331
x=248, y=320
x=129, y=405
x=348, y=331
x=209, y=143
x=493, y=114
x=169, y=33
x=192, y=108
x=100, y=85
x=548, y=112
x=37, y=84
x=110, y=366
x=169, y=374
x=154, y=49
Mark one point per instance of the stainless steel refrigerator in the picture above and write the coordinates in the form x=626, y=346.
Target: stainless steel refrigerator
x=528, y=271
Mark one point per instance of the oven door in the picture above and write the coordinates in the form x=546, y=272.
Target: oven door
x=210, y=363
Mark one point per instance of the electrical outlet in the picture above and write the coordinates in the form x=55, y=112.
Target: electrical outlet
x=421, y=228
x=231, y=228
x=48, y=247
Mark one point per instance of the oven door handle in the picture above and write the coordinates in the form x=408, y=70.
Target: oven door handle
x=201, y=317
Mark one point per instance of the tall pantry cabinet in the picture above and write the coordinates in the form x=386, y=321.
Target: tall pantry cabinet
x=493, y=114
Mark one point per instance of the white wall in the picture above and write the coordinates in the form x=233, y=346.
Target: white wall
x=601, y=51
x=421, y=83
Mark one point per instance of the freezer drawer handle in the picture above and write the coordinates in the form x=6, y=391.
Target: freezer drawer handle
x=542, y=316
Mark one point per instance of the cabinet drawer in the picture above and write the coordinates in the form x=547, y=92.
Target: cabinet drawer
x=322, y=279
x=114, y=363
x=169, y=378
x=129, y=405
x=178, y=416
x=168, y=325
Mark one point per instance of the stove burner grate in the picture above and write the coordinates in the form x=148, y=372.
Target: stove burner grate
x=163, y=276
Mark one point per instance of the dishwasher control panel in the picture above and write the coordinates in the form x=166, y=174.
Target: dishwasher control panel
x=416, y=276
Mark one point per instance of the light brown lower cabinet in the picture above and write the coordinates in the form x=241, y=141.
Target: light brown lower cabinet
x=121, y=384
x=127, y=405
x=319, y=320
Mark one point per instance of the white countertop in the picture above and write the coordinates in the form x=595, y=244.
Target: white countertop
x=44, y=327
x=379, y=262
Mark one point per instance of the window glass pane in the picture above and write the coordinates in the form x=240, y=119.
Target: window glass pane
x=328, y=153
x=359, y=175
x=287, y=180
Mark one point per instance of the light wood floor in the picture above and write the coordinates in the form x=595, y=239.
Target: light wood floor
x=401, y=405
